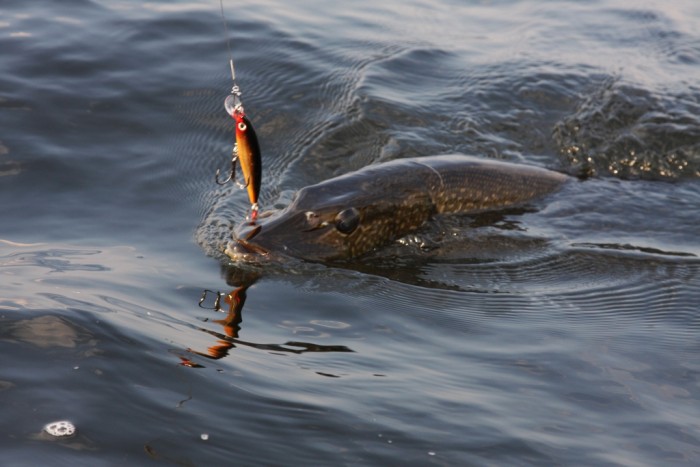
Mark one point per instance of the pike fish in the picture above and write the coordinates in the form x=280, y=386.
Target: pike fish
x=350, y=215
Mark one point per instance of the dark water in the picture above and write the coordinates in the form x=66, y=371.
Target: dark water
x=562, y=335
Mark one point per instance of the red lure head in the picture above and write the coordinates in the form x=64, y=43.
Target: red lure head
x=241, y=125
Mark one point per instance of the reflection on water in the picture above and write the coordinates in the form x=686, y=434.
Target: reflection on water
x=44, y=331
x=234, y=301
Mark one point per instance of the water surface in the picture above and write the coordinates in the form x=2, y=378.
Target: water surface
x=565, y=333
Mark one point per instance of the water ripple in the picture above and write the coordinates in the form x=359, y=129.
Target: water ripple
x=630, y=132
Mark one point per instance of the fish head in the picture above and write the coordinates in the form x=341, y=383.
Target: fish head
x=322, y=226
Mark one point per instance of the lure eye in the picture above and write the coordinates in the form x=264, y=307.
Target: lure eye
x=241, y=126
x=347, y=221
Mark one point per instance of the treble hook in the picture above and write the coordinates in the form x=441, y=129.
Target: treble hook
x=231, y=174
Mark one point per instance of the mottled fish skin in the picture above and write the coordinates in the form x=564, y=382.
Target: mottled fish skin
x=348, y=216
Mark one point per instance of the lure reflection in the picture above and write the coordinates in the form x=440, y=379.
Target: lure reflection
x=232, y=305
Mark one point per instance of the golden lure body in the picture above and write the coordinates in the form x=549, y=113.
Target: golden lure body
x=249, y=156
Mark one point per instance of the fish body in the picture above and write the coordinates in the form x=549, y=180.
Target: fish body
x=352, y=214
x=248, y=156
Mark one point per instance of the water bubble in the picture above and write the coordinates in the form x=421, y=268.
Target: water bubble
x=60, y=429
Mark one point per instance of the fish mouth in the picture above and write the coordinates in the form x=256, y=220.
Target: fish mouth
x=241, y=249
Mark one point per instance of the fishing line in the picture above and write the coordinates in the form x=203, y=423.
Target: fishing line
x=246, y=150
x=229, y=103
x=228, y=41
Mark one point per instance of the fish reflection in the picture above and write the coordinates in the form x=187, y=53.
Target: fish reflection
x=232, y=304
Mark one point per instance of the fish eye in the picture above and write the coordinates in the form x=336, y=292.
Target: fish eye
x=347, y=221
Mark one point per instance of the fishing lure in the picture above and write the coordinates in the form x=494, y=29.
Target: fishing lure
x=246, y=149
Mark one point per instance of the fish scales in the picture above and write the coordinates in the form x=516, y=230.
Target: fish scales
x=352, y=214
x=486, y=185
